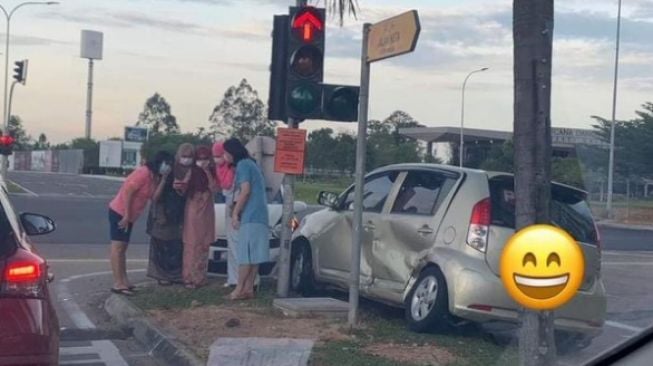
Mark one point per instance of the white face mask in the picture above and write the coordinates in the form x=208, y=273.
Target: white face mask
x=164, y=168
x=202, y=163
x=186, y=161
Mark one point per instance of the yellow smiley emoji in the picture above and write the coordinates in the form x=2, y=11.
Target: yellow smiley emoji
x=542, y=267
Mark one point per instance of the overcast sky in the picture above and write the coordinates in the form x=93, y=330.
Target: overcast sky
x=191, y=51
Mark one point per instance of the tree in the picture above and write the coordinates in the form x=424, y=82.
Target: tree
x=240, y=114
x=385, y=145
x=321, y=146
x=500, y=158
x=157, y=116
x=91, y=151
x=23, y=140
x=42, y=143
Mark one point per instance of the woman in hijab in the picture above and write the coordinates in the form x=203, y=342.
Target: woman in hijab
x=164, y=224
x=199, y=217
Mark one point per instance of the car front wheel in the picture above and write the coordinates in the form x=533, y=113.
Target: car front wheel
x=426, y=306
x=301, y=270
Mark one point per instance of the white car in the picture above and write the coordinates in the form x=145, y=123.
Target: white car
x=218, y=250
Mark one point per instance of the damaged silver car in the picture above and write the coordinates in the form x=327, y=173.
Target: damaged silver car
x=433, y=235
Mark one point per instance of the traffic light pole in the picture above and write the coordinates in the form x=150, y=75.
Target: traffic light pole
x=357, y=235
x=283, y=281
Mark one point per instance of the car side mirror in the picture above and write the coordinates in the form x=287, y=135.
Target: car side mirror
x=328, y=199
x=299, y=207
x=35, y=224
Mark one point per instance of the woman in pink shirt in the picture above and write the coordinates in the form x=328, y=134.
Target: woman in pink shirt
x=126, y=208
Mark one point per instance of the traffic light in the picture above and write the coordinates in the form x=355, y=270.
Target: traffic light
x=20, y=71
x=278, y=70
x=6, y=145
x=340, y=103
x=305, y=62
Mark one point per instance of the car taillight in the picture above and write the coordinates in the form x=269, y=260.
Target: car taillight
x=24, y=276
x=479, y=225
x=294, y=224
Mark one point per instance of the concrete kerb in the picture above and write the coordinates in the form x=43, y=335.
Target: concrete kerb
x=160, y=344
x=615, y=225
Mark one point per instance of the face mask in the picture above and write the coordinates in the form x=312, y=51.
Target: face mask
x=186, y=161
x=202, y=163
x=164, y=168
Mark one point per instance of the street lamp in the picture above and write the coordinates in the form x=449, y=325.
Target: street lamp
x=614, y=112
x=8, y=15
x=462, y=118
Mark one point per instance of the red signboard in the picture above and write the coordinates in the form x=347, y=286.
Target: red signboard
x=290, y=151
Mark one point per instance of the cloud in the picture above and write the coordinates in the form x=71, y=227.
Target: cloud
x=19, y=40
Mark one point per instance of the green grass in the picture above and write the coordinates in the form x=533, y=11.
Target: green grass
x=308, y=191
x=178, y=297
x=14, y=188
x=621, y=203
x=379, y=324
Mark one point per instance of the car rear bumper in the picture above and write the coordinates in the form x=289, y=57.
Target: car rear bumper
x=29, y=333
x=480, y=296
x=218, y=258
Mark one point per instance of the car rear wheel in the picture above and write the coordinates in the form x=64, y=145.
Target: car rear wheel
x=426, y=306
x=301, y=270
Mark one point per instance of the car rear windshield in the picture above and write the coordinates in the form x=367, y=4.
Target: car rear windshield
x=569, y=210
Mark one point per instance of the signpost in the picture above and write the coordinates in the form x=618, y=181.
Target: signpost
x=391, y=37
x=290, y=151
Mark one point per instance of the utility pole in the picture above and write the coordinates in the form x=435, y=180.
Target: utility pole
x=91, y=49
x=614, y=116
x=533, y=39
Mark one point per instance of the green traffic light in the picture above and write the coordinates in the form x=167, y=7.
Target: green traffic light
x=343, y=104
x=303, y=99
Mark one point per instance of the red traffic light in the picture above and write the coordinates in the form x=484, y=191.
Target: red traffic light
x=306, y=23
x=7, y=140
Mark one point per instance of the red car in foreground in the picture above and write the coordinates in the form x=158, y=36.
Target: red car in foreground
x=29, y=328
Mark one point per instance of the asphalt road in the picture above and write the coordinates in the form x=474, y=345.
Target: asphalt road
x=78, y=250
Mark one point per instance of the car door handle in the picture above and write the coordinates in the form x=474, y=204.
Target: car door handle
x=425, y=230
x=369, y=226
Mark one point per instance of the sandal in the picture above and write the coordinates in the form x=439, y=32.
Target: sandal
x=122, y=291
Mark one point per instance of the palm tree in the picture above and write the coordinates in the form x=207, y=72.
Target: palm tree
x=342, y=7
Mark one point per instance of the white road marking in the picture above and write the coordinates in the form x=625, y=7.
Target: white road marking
x=78, y=317
x=627, y=263
x=623, y=326
x=30, y=193
x=630, y=253
x=106, y=351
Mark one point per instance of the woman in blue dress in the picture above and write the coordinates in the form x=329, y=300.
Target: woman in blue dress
x=249, y=217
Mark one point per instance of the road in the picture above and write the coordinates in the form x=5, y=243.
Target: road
x=78, y=254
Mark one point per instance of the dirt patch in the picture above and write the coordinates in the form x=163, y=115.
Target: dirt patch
x=199, y=327
x=427, y=354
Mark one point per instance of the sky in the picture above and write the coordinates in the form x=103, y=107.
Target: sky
x=192, y=51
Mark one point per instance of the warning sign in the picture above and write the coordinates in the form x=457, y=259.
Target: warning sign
x=290, y=152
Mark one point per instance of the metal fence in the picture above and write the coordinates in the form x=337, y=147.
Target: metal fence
x=51, y=161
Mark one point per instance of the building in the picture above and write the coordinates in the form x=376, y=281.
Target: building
x=564, y=140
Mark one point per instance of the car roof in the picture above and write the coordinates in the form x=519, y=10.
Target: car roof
x=455, y=169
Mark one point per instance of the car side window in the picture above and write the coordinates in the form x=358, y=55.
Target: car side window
x=375, y=192
x=420, y=193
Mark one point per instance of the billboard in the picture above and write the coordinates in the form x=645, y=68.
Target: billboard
x=110, y=154
x=91, y=46
x=135, y=134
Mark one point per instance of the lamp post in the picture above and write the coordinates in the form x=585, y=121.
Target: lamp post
x=614, y=112
x=8, y=15
x=462, y=118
